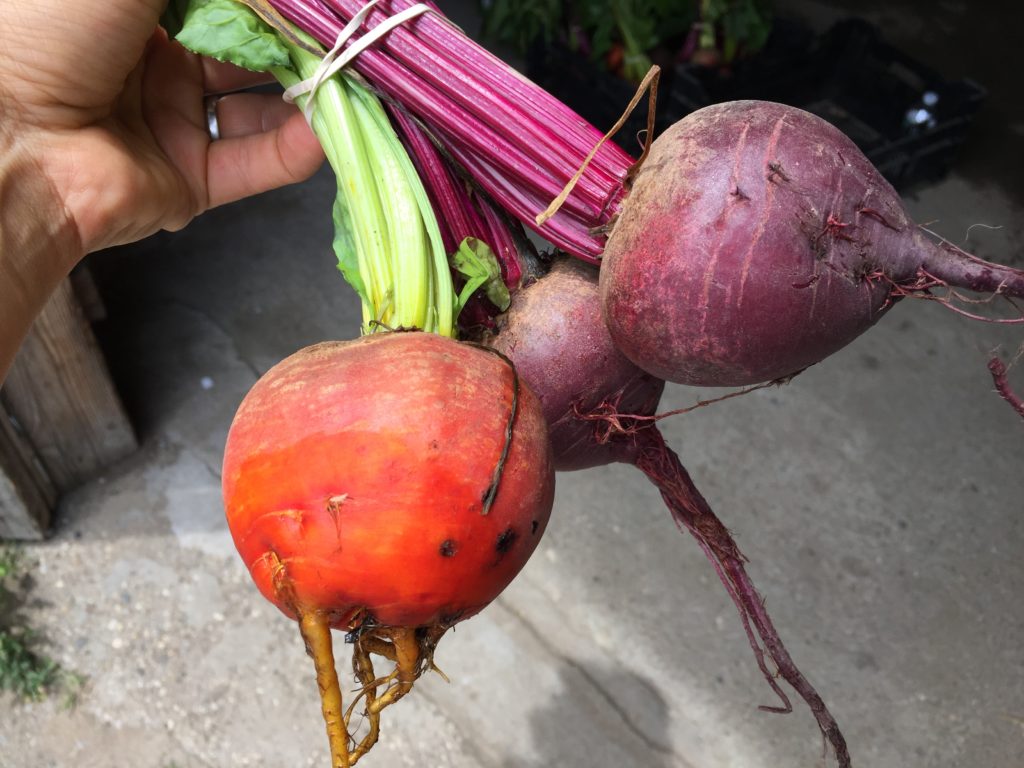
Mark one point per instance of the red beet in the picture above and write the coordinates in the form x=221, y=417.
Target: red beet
x=758, y=240
x=554, y=334
x=600, y=409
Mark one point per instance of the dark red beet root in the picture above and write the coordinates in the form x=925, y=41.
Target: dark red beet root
x=691, y=512
x=999, y=372
x=600, y=409
x=758, y=240
x=554, y=334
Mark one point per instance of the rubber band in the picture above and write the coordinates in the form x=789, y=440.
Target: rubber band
x=311, y=84
x=335, y=60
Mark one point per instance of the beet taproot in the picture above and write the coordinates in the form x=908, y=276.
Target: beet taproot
x=388, y=487
x=602, y=409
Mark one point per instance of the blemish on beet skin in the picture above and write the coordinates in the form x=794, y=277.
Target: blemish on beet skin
x=448, y=548
x=533, y=527
x=450, y=618
x=334, y=509
x=809, y=283
x=334, y=503
x=775, y=171
x=505, y=541
x=877, y=216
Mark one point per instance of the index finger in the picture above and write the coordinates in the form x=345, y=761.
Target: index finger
x=247, y=165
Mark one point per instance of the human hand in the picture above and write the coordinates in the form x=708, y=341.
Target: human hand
x=111, y=113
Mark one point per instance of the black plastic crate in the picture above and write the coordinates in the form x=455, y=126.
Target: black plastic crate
x=906, y=118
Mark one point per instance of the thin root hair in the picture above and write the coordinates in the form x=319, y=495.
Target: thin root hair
x=923, y=285
x=612, y=422
x=967, y=234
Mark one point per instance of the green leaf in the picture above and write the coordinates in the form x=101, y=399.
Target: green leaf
x=23, y=672
x=345, y=248
x=521, y=22
x=226, y=30
x=476, y=262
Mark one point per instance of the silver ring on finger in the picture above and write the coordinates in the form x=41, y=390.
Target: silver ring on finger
x=212, y=125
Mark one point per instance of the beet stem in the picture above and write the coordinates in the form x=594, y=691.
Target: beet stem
x=691, y=512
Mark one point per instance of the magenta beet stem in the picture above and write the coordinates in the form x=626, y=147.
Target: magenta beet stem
x=518, y=143
x=459, y=215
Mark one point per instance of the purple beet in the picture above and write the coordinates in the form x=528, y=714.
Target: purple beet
x=554, y=334
x=600, y=409
x=757, y=240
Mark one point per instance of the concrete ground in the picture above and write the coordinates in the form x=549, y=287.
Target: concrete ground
x=879, y=498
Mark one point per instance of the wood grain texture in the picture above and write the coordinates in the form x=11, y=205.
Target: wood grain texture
x=60, y=393
x=26, y=493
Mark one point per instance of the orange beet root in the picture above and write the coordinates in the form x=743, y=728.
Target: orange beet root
x=389, y=487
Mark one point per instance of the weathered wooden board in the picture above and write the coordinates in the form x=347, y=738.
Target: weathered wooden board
x=26, y=493
x=70, y=420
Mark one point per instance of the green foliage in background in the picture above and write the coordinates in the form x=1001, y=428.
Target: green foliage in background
x=633, y=27
x=24, y=671
x=736, y=24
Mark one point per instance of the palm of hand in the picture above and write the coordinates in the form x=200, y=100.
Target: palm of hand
x=112, y=113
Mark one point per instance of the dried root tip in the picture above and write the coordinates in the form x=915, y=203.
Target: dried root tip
x=611, y=424
x=1002, y=381
x=932, y=287
x=691, y=512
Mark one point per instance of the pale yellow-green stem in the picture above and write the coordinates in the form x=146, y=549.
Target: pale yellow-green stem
x=387, y=237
